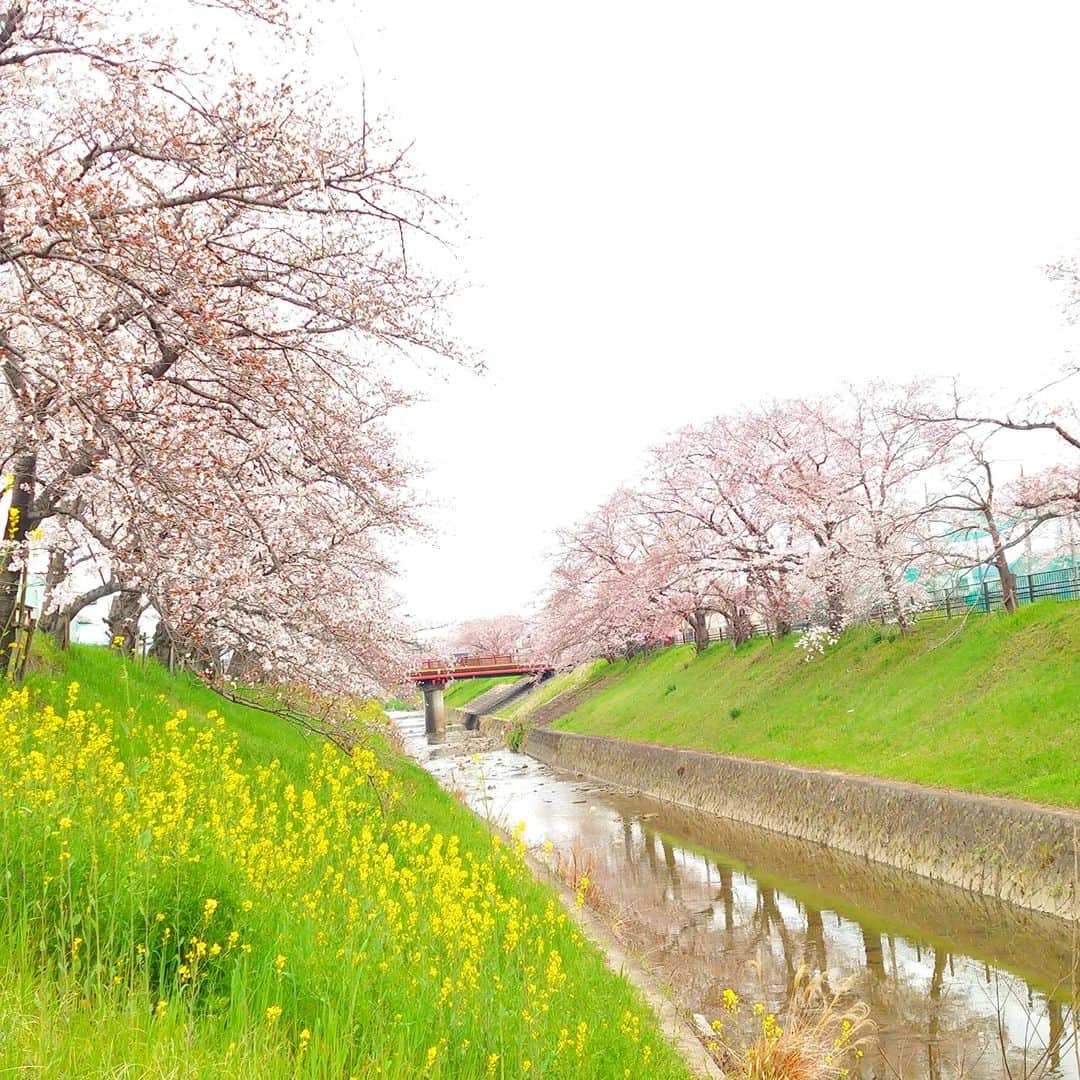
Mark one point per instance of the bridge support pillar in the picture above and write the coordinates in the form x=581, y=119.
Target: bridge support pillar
x=434, y=712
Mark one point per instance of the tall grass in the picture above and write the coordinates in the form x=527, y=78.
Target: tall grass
x=177, y=898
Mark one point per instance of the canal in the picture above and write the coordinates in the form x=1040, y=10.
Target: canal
x=957, y=984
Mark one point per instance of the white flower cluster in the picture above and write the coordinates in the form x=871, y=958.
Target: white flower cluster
x=814, y=640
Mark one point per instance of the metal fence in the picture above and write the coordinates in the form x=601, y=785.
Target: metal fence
x=756, y=629
x=1063, y=584
x=983, y=596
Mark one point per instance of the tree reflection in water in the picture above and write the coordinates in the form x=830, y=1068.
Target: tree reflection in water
x=955, y=981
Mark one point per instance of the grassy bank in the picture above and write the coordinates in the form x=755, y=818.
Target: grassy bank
x=192, y=888
x=993, y=707
x=466, y=690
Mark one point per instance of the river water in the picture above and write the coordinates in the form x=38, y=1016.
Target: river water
x=958, y=985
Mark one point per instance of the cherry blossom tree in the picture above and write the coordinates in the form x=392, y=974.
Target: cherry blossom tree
x=889, y=452
x=499, y=634
x=604, y=596
x=772, y=489
x=204, y=279
x=812, y=510
x=1052, y=410
x=811, y=483
x=709, y=485
x=1007, y=511
x=975, y=506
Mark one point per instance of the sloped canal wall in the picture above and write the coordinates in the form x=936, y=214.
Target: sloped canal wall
x=1017, y=852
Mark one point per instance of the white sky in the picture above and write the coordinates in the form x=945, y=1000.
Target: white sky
x=674, y=209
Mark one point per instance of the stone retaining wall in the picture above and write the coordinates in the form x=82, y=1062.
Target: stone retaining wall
x=497, y=697
x=496, y=725
x=1015, y=851
x=486, y=725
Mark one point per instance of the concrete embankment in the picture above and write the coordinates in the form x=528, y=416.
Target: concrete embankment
x=498, y=697
x=1018, y=852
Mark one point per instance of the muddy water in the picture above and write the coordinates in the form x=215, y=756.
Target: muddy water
x=957, y=984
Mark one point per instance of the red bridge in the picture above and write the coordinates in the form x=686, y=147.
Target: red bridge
x=433, y=673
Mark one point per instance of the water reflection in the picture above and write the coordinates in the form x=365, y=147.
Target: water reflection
x=957, y=984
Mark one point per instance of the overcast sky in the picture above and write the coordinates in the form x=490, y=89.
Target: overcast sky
x=674, y=209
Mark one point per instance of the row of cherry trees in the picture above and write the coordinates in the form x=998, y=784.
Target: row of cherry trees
x=205, y=277
x=811, y=512
x=490, y=636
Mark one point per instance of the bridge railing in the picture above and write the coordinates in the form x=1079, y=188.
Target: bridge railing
x=466, y=663
x=474, y=666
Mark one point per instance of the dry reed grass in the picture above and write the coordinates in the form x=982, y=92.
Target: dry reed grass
x=575, y=866
x=821, y=1036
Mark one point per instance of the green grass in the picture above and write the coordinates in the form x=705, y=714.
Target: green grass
x=397, y=704
x=150, y=691
x=184, y=894
x=465, y=690
x=992, y=708
x=523, y=708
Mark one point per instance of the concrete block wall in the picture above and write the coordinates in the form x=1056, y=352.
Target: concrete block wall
x=1018, y=852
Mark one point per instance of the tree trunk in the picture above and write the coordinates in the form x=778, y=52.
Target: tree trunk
x=779, y=602
x=888, y=582
x=24, y=471
x=699, y=623
x=834, y=594
x=123, y=621
x=161, y=648
x=57, y=571
x=1001, y=560
x=173, y=650
x=739, y=625
x=243, y=667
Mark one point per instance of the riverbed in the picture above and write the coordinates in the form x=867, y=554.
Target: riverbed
x=957, y=984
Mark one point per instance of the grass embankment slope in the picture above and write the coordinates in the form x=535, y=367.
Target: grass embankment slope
x=465, y=690
x=192, y=888
x=993, y=707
